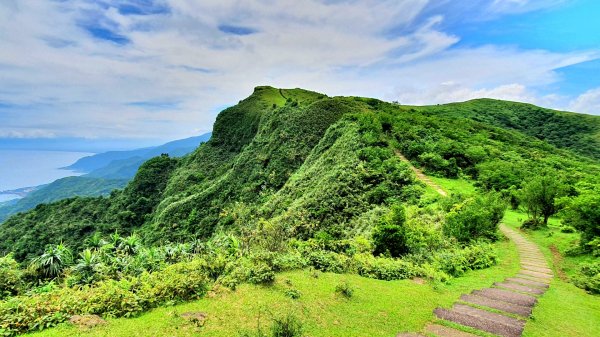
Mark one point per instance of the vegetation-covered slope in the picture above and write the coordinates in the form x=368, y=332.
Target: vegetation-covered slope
x=308, y=163
x=293, y=179
x=577, y=132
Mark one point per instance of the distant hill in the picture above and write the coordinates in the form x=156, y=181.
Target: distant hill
x=577, y=132
x=306, y=165
x=110, y=174
x=124, y=159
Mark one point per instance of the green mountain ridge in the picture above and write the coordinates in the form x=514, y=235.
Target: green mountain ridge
x=109, y=171
x=310, y=164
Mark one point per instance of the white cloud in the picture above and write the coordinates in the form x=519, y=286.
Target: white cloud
x=62, y=81
x=588, y=102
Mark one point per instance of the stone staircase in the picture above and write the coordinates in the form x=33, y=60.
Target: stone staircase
x=502, y=309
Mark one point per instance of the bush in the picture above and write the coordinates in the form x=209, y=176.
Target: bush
x=125, y=297
x=287, y=326
x=344, y=289
x=583, y=213
x=329, y=261
x=567, y=229
x=382, y=268
x=293, y=293
x=588, y=278
x=389, y=237
x=11, y=277
x=475, y=218
x=456, y=262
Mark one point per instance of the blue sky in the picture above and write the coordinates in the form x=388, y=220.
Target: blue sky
x=154, y=70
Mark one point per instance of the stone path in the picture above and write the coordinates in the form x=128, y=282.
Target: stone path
x=504, y=308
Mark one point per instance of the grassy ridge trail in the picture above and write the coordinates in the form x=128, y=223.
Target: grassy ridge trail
x=421, y=176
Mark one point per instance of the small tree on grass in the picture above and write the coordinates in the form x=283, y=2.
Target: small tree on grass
x=539, y=198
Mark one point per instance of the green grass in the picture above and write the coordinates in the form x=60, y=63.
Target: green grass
x=377, y=308
x=564, y=310
x=456, y=186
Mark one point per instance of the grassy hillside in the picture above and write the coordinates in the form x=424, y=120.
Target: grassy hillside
x=577, y=132
x=295, y=181
x=309, y=163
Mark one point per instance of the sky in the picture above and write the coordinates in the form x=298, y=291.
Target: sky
x=143, y=71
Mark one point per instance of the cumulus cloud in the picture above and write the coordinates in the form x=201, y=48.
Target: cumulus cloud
x=588, y=102
x=162, y=69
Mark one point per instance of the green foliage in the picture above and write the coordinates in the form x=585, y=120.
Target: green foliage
x=52, y=262
x=293, y=293
x=539, y=197
x=475, y=218
x=389, y=237
x=111, y=298
x=286, y=326
x=11, y=277
x=345, y=289
x=588, y=277
x=583, y=213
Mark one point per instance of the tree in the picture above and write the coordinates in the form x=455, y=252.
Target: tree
x=539, y=197
x=583, y=213
x=475, y=218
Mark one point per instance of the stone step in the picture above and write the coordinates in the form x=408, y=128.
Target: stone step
x=531, y=256
x=532, y=260
x=536, y=274
x=537, y=279
x=506, y=296
x=499, y=305
x=528, y=282
x=444, y=331
x=483, y=320
x=534, y=264
x=538, y=269
x=520, y=287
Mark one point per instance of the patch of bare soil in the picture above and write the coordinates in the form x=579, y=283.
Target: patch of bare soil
x=557, y=261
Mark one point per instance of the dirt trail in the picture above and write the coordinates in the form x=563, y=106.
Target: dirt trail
x=421, y=176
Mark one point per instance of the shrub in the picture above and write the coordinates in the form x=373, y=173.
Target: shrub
x=389, y=237
x=293, y=293
x=475, y=218
x=583, y=213
x=112, y=298
x=344, y=289
x=11, y=277
x=261, y=274
x=329, y=261
x=382, y=268
x=286, y=326
x=588, y=278
x=567, y=229
x=456, y=262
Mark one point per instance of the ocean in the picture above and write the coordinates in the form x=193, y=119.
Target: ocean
x=26, y=168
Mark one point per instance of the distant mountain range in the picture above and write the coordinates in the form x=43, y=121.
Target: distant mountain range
x=105, y=172
x=121, y=162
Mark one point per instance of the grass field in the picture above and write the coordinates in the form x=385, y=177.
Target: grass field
x=377, y=308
